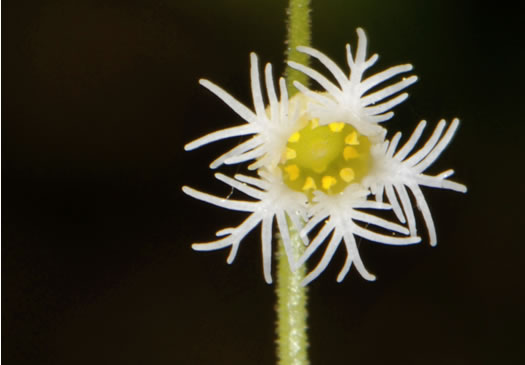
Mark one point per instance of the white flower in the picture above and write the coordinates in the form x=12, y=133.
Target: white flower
x=275, y=199
x=324, y=163
x=393, y=170
x=339, y=213
x=348, y=102
x=271, y=129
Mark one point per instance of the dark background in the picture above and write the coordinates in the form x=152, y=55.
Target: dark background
x=99, y=98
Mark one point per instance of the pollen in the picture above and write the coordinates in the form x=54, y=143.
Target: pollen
x=292, y=171
x=328, y=181
x=309, y=184
x=336, y=127
x=325, y=157
x=347, y=174
x=352, y=139
x=294, y=137
x=290, y=153
x=349, y=153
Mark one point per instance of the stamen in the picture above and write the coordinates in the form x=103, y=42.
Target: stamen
x=336, y=126
x=328, y=181
x=290, y=153
x=347, y=174
x=350, y=153
x=309, y=184
x=351, y=139
x=294, y=137
x=292, y=171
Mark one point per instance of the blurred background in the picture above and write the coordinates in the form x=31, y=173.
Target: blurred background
x=99, y=98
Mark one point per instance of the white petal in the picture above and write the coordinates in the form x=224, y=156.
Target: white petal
x=229, y=100
x=381, y=238
x=254, y=193
x=405, y=150
x=258, y=102
x=266, y=239
x=316, y=76
x=427, y=148
x=240, y=149
x=387, y=91
x=222, y=134
x=438, y=149
x=220, y=202
x=328, y=63
x=325, y=260
x=270, y=88
x=382, y=77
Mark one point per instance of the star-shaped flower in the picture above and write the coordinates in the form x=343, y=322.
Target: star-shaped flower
x=324, y=163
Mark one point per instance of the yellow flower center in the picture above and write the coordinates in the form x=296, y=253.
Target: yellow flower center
x=326, y=158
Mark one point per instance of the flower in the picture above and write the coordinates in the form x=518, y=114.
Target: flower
x=275, y=199
x=324, y=162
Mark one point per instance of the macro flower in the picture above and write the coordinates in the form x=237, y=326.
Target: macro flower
x=324, y=164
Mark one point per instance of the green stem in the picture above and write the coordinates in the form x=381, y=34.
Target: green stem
x=292, y=338
x=299, y=34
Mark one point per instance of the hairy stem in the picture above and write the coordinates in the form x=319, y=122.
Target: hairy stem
x=299, y=34
x=292, y=337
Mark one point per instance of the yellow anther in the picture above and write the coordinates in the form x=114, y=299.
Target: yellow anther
x=309, y=184
x=351, y=139
x=347, y=174
x=349, y=153
x=328, y=181
x=290, y=153
x=314, y=123
x=294, y=137
x=336, y=126
x=292, y=171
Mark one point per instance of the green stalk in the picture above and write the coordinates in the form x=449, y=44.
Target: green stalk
x=292, y=338
x=299, y=34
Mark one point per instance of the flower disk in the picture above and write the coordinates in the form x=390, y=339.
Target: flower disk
x=326, y=158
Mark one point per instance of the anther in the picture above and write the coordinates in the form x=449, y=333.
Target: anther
x=347, y=174
x=292, y=171
x=290, y=153
x=309, y=184
x=294, y=137
x=349, y=153
x=351, y=139
x=336, y=126
x=328, y=181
